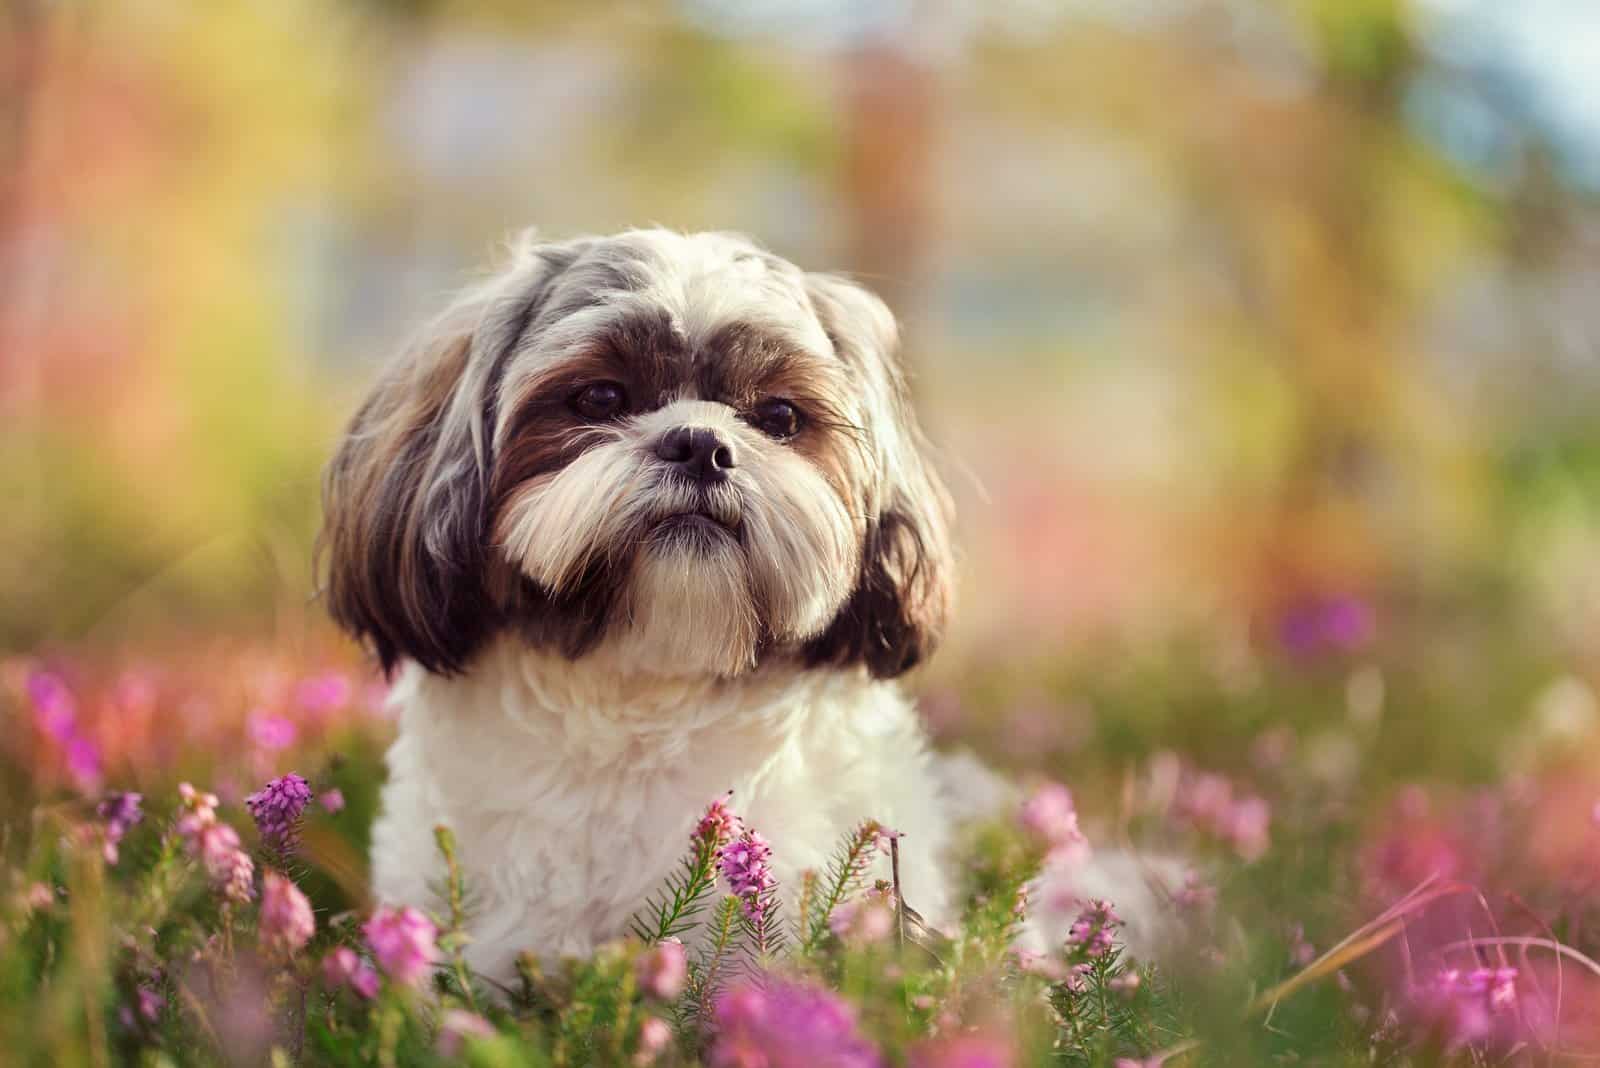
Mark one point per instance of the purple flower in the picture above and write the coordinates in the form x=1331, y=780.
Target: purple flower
x=287, y=923
x=277, y=808
x=402, y=942
x=783, y=1024
x=344, y=967
x=1316, y=624
x=662, y=969
x=1091, y=933
x=457, y=1027
x=746, y=864
x=120, y=812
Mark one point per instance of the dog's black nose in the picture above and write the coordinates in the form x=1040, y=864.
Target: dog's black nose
x=698, y=452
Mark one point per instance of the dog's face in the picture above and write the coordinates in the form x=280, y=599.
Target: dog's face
x=679, y=447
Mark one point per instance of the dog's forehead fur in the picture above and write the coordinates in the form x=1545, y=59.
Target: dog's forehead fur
x=685, y=316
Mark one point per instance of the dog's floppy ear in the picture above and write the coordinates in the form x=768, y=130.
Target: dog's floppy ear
x=896, y=614
x=405, y=498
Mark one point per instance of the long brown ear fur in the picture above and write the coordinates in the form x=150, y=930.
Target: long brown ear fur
x=897, y=613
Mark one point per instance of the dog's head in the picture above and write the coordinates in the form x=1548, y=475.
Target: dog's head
x=680, y=446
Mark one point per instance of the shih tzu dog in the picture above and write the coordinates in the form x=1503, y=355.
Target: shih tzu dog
x=638, y=521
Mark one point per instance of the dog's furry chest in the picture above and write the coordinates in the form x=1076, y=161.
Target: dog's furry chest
x=570, y=811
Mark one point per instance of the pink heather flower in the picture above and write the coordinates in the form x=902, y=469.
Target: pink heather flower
x=1245, y=826
x=331, y=800
x=782, y=1024
x=83, y=763
x=662, y=969
x=54, y=708
x=277, y=808
x=654, y=1037
x=150, y=1003
x=718, y=824
x=344, y=967
x=286, y=920
x=324, y=693
x=270, y=731
x=1050, y=816
x=963, y=1051
x=402, y=942
x=1044, y=966
x=1472, y=1008
x=1091, y=933
x=457, y=1027
x=120, y=812
x=746, y=864
x=231, y=870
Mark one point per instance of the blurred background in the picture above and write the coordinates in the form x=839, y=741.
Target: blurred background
x=1260, y=338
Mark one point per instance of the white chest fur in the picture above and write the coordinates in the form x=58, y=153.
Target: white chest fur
x=572, y=788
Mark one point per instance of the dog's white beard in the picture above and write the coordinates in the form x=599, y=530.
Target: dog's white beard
x=689, y=610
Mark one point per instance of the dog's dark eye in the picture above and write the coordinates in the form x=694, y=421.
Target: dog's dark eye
x=602, y=400
x=776, y=418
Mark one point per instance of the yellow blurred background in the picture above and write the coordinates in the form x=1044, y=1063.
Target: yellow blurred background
x=1227, y=314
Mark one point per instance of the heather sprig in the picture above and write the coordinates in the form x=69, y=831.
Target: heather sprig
x=278, y=808
x=845, y=876
x=677, y=907
x=747, y=866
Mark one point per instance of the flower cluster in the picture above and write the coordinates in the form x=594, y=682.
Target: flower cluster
x=287, y=923
x=277, y=809
x=746, y=864
x=1050, y=816
x=55, y=710
x=118, y=813
x=1091, y=934
x=1208, y=802
x=231, y=870
x=662, y=970
x=1473, y=1007
x=718, y=824
x=403, y=943
x=783, y=1024
x=344, y=967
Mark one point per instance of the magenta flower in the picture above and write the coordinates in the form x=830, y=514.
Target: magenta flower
x=344, y=967
x=1092, y=932
x=55, y=710
x=782, y=1024
x=120, y=812
x=746, y=864
x=1472, y=1008
x=286, y=920
x=402, y=942
x=83, y=763
x=718, y=824
x=1318, y=624
x=457, y=1027
x=324, y=693
x=277, y=808
x=1050, y=816
x=662, y=969
x=271, y=732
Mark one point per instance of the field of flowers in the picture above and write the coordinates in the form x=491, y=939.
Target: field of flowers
x=184, y=859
